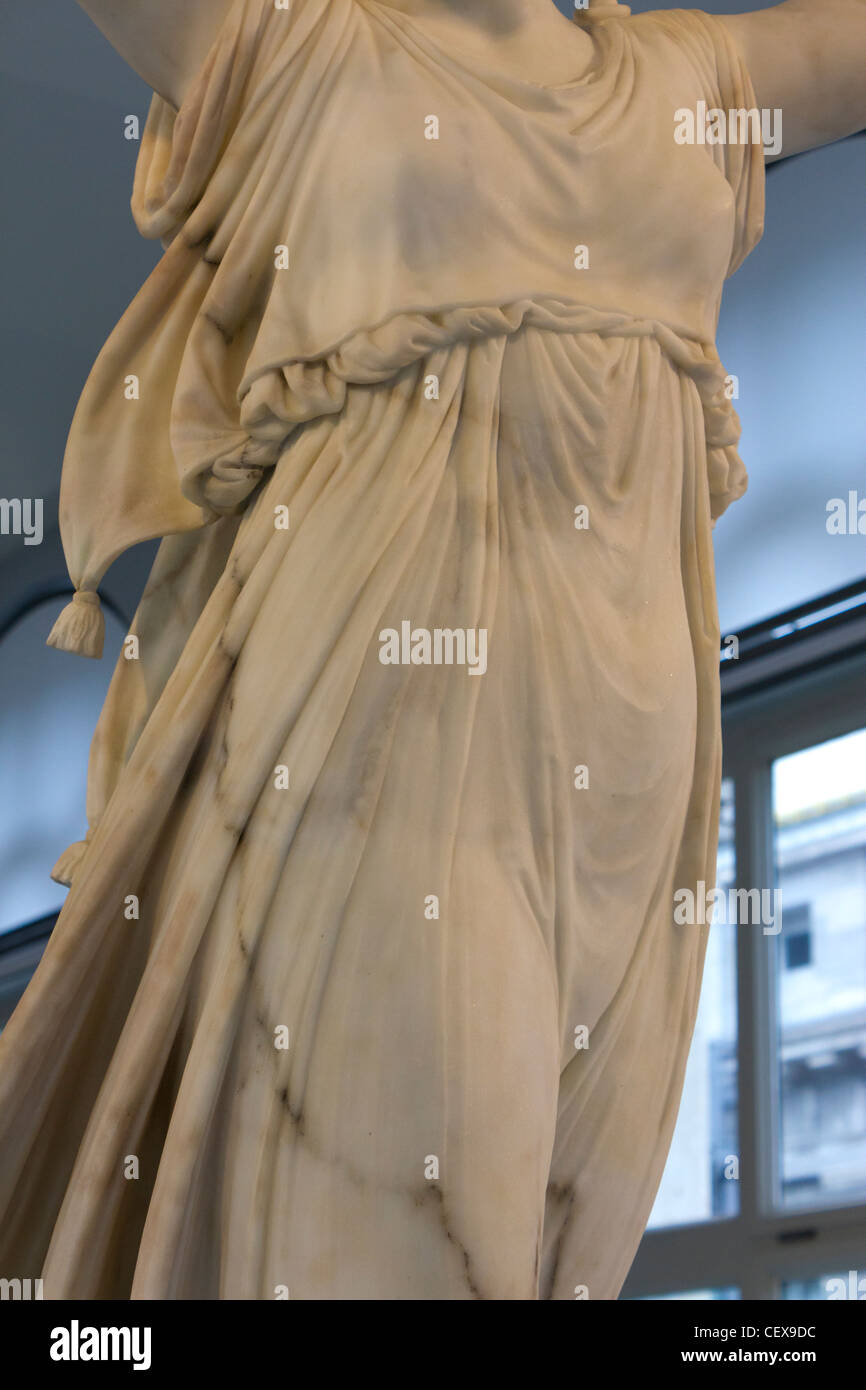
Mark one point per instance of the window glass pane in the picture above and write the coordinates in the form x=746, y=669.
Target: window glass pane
x=849, y=1285
x=819, y=802
x=700, y=1179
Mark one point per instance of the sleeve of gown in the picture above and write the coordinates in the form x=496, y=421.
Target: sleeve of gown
x=216, y=166
x=180, y=150
x=723, y=82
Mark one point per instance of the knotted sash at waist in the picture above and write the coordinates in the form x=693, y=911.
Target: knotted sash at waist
x=273, y=401
x=176, y=460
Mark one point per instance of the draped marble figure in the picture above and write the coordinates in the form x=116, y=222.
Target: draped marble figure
x=368, y=983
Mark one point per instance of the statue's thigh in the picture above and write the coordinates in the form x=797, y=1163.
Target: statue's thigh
x=417, y=1166
x=618, y=1103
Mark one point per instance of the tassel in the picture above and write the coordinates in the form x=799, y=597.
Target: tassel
x=68, y=862
x=81, y=626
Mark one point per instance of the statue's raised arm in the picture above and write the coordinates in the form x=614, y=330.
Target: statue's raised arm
x=809, y=60
x=164, y=41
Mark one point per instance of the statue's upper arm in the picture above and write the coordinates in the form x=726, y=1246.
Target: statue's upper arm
x=807, y=59
x=164, y=41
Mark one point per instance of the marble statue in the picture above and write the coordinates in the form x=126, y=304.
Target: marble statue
x=368, y=984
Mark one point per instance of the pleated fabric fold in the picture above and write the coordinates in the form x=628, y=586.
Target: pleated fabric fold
x=310, y=246
x=285, y=808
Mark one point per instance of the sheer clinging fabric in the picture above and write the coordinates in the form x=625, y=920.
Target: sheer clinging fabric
x=431, y=454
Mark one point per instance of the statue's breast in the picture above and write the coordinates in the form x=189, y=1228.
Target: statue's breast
x=452, y=191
